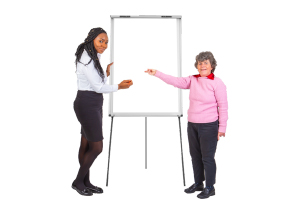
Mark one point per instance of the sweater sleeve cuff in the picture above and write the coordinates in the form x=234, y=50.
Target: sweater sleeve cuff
x=157, y=74
x=222, y=129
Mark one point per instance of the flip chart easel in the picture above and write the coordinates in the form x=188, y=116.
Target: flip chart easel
x=164, y=52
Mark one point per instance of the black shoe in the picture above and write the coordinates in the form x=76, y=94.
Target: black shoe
x=206, y=193
x=95, y=189
x=85, y=191
x=194, y=187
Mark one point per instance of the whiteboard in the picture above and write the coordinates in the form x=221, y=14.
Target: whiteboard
x=139, y=43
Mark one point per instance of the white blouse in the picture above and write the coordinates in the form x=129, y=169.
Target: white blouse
x=88, y=77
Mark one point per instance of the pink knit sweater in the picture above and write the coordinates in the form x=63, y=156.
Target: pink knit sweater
x=206, y=96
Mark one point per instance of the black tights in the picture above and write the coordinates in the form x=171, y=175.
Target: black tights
x=88, y=152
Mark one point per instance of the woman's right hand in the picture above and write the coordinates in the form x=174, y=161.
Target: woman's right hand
x=151, y=71
x=125, y=84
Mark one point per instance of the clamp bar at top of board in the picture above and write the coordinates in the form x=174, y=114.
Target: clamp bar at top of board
x=147, y=16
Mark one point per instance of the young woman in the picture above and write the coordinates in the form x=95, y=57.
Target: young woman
x=91, y=83
x=207, y=119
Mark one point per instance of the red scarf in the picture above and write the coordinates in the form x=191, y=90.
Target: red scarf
x=210, y=76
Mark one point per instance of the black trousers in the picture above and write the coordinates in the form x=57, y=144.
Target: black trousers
x=203, y=139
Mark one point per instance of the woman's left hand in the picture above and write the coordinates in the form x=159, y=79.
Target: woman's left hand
x=108, y=69
x=220, y=135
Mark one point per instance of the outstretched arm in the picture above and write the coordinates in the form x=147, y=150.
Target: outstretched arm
x=179, y=82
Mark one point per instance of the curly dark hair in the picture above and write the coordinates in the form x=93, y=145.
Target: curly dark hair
x=206, y=55
x=88, y=45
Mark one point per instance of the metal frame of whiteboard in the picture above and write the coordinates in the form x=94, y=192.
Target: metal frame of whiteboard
x=179, y=62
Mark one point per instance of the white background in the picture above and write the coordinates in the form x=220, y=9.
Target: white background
x=256, y=45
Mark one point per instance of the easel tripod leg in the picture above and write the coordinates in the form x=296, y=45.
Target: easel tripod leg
x=109, y=150
x=181, y=152
x=145, y=142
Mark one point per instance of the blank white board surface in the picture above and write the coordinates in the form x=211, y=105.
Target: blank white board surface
x=139, y=44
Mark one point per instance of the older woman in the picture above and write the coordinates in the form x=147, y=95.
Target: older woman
x=91, y=83
x=207, y=119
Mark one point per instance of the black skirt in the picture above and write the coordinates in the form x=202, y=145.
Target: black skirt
x=88, y=109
